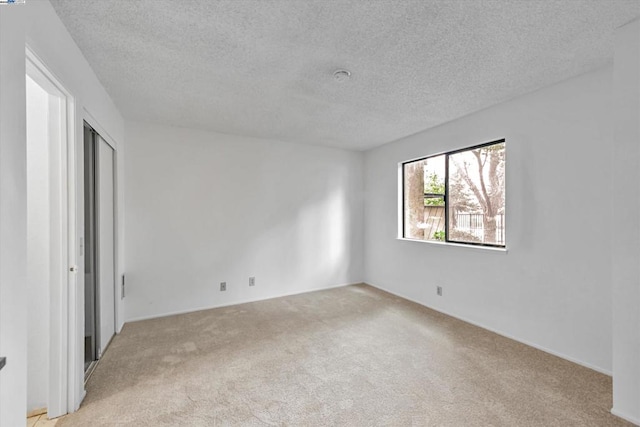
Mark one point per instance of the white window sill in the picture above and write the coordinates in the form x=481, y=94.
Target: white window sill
x=459, y=245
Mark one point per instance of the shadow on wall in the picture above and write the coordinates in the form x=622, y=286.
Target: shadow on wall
x=219, y=209
x=311, y=244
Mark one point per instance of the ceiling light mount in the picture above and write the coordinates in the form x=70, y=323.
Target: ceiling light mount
x=341, y=75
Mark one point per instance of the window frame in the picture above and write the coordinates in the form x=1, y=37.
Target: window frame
x=446, y=155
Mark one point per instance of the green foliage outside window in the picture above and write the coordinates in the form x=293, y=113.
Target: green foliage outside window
x=433, y=184
x=439, y=235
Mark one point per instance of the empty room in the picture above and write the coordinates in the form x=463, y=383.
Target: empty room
x=319, y=213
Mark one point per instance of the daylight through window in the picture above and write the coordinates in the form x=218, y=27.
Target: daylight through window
x=457, y=196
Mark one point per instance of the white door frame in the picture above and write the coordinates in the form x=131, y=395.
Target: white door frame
x=63, y=382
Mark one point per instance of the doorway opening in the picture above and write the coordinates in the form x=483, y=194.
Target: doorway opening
x=49, y=144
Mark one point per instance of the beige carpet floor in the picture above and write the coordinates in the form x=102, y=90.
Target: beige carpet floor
x=352, y=356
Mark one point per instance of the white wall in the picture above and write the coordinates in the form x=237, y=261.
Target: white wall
x=13, y=213
x=38, y=230
x=203, y=208
x=625, y=255
x=552, y=288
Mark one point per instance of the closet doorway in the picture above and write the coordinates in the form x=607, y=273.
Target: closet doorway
x=99, y=236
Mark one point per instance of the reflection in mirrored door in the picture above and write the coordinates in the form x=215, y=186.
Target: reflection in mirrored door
x=90, y=278
x=99, y=225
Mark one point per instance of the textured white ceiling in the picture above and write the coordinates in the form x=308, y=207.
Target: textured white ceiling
x=264, y=68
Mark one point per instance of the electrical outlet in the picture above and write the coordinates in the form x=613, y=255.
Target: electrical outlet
x=223, y=286
x=252, y=281
x=439, y=290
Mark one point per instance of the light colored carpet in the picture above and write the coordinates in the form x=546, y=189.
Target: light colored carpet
x=352, y=356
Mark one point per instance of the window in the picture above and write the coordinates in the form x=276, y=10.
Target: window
x=456, y=197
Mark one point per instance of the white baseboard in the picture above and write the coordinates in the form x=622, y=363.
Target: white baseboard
x=36, y=412
x=530, y=344
x=237, y=302
x=625, y=417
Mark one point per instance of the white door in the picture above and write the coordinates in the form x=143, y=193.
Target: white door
x=106, y=240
